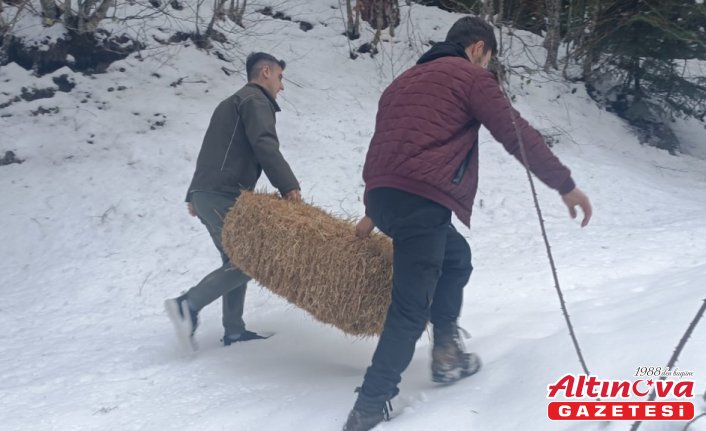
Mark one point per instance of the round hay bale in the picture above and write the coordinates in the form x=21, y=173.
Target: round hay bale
x=313, y=260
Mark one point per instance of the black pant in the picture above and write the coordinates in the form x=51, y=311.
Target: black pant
x=431, y=266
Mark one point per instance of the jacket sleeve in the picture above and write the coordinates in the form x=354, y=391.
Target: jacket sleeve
x=258, y=117
x=487, y=103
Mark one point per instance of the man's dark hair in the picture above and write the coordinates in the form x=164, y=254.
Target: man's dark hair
x=469, y=30
x=256, y=60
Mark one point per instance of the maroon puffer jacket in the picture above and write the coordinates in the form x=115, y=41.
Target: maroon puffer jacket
x=426, y=135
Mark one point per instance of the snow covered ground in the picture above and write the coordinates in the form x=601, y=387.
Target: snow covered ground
x=94, y=236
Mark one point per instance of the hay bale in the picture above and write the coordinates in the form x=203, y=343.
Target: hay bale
x=313, y=260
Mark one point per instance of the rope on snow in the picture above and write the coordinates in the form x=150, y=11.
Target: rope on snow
x=557, y=286
x=673, y=360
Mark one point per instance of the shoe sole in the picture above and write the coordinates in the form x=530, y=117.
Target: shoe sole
x=456, y=374
x=182, y=327
x=262, y=336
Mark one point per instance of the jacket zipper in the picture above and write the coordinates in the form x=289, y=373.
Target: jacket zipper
x=237, y=122
x=461, y=171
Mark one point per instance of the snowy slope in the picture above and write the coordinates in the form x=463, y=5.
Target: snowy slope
x=95, y=236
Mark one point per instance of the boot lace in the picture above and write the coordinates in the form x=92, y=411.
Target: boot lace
x=386, y=408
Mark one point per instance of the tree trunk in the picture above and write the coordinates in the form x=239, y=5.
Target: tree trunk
x=637, y=71
x=236, y=12
x=589, y=54
x=501, y=7
x=83, y=13
x=553, y=37
x=198, y=18
x=392, y=9
x=352, y=26
x=217, y=12
x=50, y=12
x=3, y=24
x=357, y=18
x=487, y=10
x=68, y=14
x=379, y=13
x=98, y=15
x=569, y=38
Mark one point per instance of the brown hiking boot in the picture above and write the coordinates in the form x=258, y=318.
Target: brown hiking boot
x=368, y=412
x=450, y=362
x=362, y=421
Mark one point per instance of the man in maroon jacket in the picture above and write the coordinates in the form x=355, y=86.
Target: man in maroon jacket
x=421, y=166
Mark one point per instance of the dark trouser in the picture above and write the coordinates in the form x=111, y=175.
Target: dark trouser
x=431, y=266
x=226, y=281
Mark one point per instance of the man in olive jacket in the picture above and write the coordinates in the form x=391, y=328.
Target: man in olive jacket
x=240, y=143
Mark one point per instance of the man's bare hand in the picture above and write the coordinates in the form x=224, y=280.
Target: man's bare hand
x=577, y=198
x=190, y=208
x=364, y=227
x=294, y=195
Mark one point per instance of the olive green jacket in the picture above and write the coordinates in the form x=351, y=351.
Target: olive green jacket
x=240, y=143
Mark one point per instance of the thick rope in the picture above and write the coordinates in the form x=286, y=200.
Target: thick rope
x=559, y=292
x=677, y=352
x=693, y=421
x=682, y=342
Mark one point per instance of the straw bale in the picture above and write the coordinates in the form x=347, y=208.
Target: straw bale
x=313, y=260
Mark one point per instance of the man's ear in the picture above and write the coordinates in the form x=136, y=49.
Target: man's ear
x=266, y=71
x=479, y=48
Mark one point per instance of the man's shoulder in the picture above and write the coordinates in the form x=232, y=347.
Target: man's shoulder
x=243, y=93
x=238, y=99
x=251, y=91
x=446, y=70
x=459, y=67
x=234, y=99
x=245, y=90
x=254, y=93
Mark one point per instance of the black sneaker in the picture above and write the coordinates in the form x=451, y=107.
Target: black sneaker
x=184, y=319
x=450, y=362
x=368, y=412
x=245, y=336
